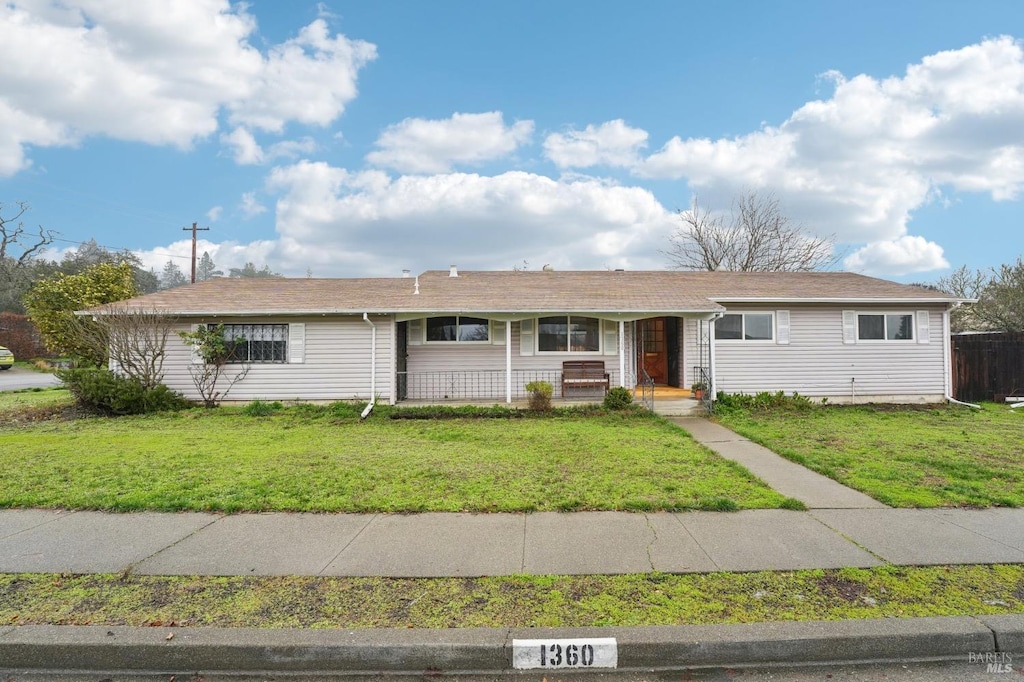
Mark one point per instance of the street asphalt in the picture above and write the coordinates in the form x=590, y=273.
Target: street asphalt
x=18, y=378
x=841, y=528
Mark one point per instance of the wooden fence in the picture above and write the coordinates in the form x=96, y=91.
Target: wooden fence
x=988, y=366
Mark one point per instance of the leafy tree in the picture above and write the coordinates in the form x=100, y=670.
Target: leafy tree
x=52, y=302
x=757, y=236
x=206, y=269
x=213, y=352
x=249, y=270
x=90, y=253
x=172, y=276
x=1000, y=295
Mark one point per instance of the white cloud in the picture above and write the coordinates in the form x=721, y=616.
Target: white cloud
x=159, y=73
x=340, y=222
x=612, y=143
x=861, y=162
x=250, y=205
x=246, y=151
x=903, y=256
x=213, y=215
x=419, y=145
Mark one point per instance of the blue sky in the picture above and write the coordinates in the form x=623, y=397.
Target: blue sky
x=360, y=139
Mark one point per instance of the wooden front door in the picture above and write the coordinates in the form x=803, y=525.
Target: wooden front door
x=652, y=349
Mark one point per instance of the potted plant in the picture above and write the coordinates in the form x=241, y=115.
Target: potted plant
x=698, y=389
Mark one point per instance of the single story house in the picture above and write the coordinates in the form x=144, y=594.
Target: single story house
x=483, y=335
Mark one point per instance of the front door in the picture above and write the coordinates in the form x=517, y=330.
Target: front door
x=652, y=349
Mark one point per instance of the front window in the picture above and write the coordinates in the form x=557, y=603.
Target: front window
x=457, y=329
x=744, y=327
x=885, y=327
x=257, y=343
x=568, y=334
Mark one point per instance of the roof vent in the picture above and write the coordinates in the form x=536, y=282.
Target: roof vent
x=548, y=267
x=405, y=273
x=453, y=271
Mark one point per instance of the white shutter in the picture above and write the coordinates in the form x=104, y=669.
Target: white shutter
x=849, y=326
x=196, y=359
x=497, y=332
x=611, y=337
x=782, y=327
x=526, y=337
x=923, y=326
x=415, y=332
x=297, y=343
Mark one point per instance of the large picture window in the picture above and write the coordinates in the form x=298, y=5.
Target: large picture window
x=457, y=329
x=744, y=327
x=568, y=334
x=257, y=343
x=885, y=327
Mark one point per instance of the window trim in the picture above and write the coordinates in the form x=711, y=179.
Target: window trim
x=743, y=326
x=458, y=324
x=568, y=321
x=885, y=325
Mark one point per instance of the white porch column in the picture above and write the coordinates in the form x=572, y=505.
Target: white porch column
x=622, y=354
x=711, y=359
x=508, y=361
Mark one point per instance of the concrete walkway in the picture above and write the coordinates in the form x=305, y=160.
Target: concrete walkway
x=787, y=478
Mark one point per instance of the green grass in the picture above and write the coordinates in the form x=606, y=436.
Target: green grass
x=902, y=456
x=519, y=601
x=32, y=402
x=309, y=459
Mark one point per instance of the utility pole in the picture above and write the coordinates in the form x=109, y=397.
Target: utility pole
x=194, y=230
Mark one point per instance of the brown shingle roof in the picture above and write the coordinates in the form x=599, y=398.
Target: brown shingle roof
x=507, y=291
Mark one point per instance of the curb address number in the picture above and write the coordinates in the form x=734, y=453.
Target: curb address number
x=600, y=652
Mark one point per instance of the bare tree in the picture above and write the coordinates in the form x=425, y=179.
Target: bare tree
x=19, y=248
x=134, y=338
x=757, y=236
x=999, y=293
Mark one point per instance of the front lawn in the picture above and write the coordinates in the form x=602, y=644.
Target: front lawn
x=322, y=459
x=948, y=456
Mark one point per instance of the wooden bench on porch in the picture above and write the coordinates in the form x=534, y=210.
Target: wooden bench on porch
x=584, y=374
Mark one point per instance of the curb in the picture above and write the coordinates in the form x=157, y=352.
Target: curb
x=25, y=649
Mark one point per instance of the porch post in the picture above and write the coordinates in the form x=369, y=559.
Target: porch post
x=711, y=359
x=622, y=354
x=508, y=361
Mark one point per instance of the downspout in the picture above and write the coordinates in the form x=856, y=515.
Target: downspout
x=947, y=352
x=622, y=353
x=373, y=367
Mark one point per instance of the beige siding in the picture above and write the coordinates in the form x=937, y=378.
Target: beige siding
x=816, y=362
x=336, y=366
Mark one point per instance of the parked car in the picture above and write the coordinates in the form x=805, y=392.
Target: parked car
x=6, y=358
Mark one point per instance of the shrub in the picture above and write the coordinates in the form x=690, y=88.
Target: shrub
x=109, y=393
x=762, y=401
x=618, y=398
x=540, y=395
x=258, y=408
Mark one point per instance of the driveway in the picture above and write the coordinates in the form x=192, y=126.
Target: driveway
x=17, y=378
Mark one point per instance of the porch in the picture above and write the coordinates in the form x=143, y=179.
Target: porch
x=488, y=387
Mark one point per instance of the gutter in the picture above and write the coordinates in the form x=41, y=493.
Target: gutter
x=373, y=367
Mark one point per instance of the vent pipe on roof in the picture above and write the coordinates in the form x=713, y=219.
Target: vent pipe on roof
x=453, y=271
x=405, y=273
